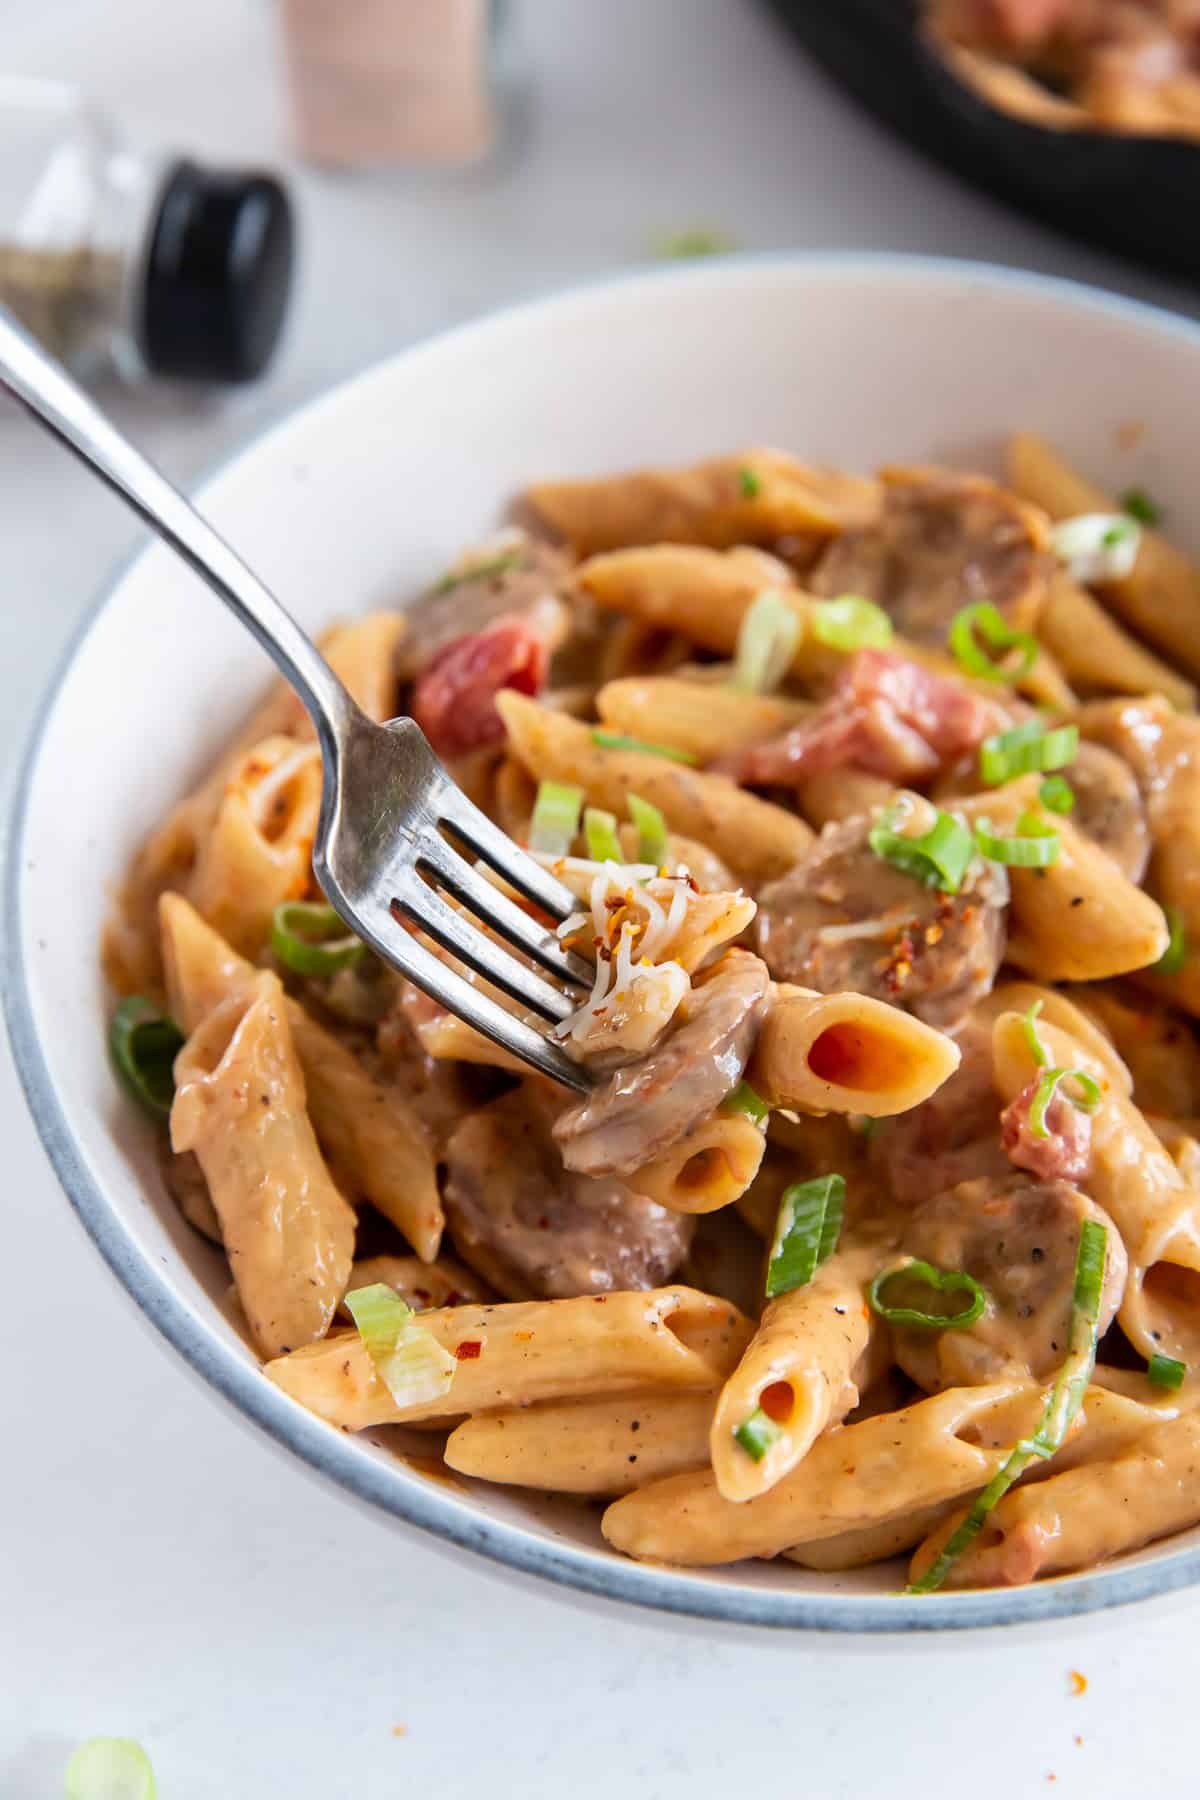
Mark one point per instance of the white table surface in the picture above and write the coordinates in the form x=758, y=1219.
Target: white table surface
x=164, y=1573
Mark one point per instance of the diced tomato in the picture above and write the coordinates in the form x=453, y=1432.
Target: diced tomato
x=469, y=1349
x=454, y=699
x=1065, y=1155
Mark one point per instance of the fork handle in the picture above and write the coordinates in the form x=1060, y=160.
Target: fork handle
x=46, y=391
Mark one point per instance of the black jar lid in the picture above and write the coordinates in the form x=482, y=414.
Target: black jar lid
x=218, y=273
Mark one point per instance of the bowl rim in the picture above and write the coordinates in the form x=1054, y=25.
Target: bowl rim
x=331, y=1454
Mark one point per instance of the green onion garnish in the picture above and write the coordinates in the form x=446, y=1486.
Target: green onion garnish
x=695, y=240
x=1044, y=1093
x=1037, y=1049
x=766, y=643
x=1057, y=795
x=1058, y=1414
x=1024, y=749
x=481, y=571
x=555, y=818
x=617, y=740
x=806, y=1232
x=917, y=1274
x=757, y=1433
x=600, y=835
x=311, y=939
x=1175, y=954
x=651, y=830
x=985, y=621
x=743, y=1099
x=1138, y=504
x=144, y=1043
x=1097, y=546
x=939, y=858
x=749, y=484
x=110, y=1769
x=1165, y=1371
x=1036, y=845
x=851, y=623
x=406, y=1356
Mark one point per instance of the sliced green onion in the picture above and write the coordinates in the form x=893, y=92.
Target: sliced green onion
x=939, y=858
x=694, y=240
x=1138, y=504
x=1037, y=1049
x=1035, y=847
x=144, y=1043
x=1057, y=795
x=1060, y=1409
x=743, y=1099
x=1097, y=546
x=767, y=639
x=108, y=1768
x=617, y=740
x=806, y=1232
x=757, y=1433
x=1175, y=954
x=985, y=621
x=1027, y=748
x=1165, y=1371
x=406, y=1356
x=749, y=483
x=1044, y=1093
x=600, y=835
x=915, y=1273
x=651, y=830
x=555, y=818
x=851, y=623
x=312, y=940
x=480, y=571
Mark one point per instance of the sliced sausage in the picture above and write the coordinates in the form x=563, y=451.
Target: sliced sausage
x=951, y=1137
x=1064, y=1153
x=942, y=541
x=886, y=715
x=1018, y=1238
x=648, y=1105
x=1109, y=807
x=845, y=919
x=535, y=1231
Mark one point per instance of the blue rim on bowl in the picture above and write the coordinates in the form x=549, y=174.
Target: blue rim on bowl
x=402, y=1493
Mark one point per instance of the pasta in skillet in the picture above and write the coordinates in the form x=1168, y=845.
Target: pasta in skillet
x=876, y=1230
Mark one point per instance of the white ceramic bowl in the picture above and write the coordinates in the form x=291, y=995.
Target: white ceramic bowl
x=357, y=501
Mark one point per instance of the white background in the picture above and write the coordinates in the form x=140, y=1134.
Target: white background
x=163, y=1573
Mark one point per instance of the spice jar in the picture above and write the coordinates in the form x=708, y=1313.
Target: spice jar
x=146, y=264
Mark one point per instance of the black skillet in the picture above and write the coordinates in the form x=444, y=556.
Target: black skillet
x=1138, y=195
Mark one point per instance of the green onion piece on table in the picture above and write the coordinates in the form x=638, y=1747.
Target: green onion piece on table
x=693, y=241
x=651, y=830
x=1138, y=504
x=1058, y=1414
x=144, y=1043
x=767, y=639
x=908, y=1293
x=1047, y=1086
x=310, y=939
x=406, y=1356
x=806, y=1232
x=481, y=571
x=743, y=1099
x=1175, y=954
x=108, y=1768
x=757, y=1433
x=555, y=818
x=1057, y=795
x=851, y=623
x=749, y=483
x=617, y=740
x=986, y=622
x=1165, y=1371
x=1036, y=845
x=600, y=835
x=939, y=858
x=1027, y=749
x=1097, y=546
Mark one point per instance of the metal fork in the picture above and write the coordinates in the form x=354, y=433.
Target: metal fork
x=393, y=826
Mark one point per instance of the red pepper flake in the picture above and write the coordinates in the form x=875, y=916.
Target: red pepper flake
x=1078, y=1683
x=469, y=1349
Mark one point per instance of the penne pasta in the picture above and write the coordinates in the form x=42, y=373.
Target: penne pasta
x=420, y=1285
x=847, y=1053
x=837, y=794
x=240, y=1106
x=871, y=1543
x=600, y=1447
x=526, y=1351
x=1076, y=1014
x=701, y=717
x=708, y=1168
x=1095, y=652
